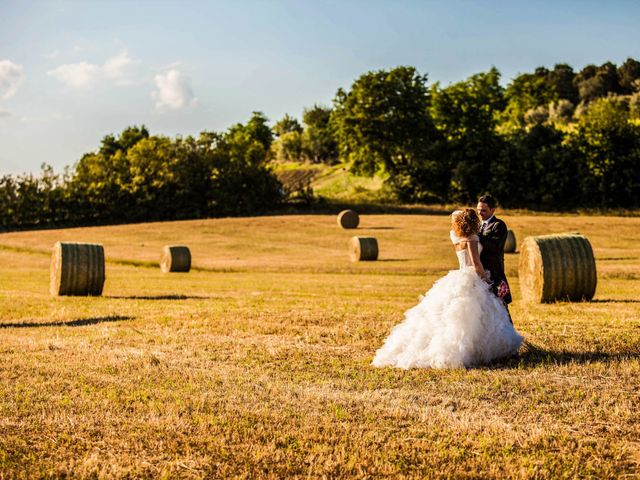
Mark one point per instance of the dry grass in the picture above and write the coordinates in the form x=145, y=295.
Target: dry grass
x=256, y=364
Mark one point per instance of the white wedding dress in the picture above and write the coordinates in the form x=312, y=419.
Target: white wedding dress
x=458, y=323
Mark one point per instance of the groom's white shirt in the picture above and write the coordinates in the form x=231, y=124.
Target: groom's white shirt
x=487, y=221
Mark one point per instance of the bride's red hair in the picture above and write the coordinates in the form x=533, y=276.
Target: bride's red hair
x=466, y=223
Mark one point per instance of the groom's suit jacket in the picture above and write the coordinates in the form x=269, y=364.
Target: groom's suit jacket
x=493, y=237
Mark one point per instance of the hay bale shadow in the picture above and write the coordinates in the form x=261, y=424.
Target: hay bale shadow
x=532, y=355
x=80, y=322
x=160, y=297
x=611, y=300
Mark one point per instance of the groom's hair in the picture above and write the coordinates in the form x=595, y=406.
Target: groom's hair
x=489, y=200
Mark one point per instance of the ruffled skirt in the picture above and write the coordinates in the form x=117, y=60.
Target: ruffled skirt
x=458, y=323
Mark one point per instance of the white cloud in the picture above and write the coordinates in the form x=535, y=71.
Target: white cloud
x=76, y=75
x=4, y=113
x=83, y=74
x=115, y=67
x=173, y=90
x=11, y=77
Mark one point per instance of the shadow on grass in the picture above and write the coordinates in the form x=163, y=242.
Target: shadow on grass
x=532, y=355
x=611, y=300
x=329, y=207
x=377, y=228
x=160, y=297
x=80, y=322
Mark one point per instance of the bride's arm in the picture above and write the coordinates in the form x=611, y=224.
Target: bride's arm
x=472, y=247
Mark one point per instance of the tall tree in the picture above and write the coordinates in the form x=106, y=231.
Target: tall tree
x=465, y=113
x=610, y=148
x=596, y=82
x=318, y=138
x=525, y=93
x=383, y=125
x=286, y=124
x=629, y=76
x=560, y=79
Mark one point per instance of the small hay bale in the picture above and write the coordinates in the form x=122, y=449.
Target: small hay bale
x=557, y=267
x=348, y=219
x=510, y=244
x=175, y=258
x=363, y=249
x=77, y=269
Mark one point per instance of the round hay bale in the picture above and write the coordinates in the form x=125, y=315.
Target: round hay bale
x=510, y=244
x=363, y=249
x=175, y=258
x=348, y=219
x=77, y=269
x=557, y=267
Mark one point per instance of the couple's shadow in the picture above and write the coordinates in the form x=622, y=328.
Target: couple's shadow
x=532, y=355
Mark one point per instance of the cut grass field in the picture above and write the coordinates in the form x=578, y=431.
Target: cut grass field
x=256, y=363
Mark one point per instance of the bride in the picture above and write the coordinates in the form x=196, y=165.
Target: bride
x=459, y=322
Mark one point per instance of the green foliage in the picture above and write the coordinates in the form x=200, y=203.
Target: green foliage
x=138, y=177
x=288, y=147
x=609, y=146
x=561, y=81
x=526, y=93
x=318, y=138
x=629, y=76
x=286, y=125
x=536, y=169
x=552, y=139
x=383, y=125
x=465, y=114
x=596, y=82
x=315, y=143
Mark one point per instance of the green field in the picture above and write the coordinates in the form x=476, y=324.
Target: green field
x=256, y=363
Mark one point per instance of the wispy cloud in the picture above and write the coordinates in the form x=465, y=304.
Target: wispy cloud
x=76, y=75
x=173, y=91
x=11, y=77
x=115, y=67
x=83, y=75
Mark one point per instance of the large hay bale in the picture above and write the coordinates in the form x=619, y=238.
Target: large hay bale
x=175, y=258
x=557, y=267
x=363, y=249
x=77, y=269
x=348, y=219
x=510, y=244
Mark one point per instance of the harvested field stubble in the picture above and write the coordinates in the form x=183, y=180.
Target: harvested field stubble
x=256, y=364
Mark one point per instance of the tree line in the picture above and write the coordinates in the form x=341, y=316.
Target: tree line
x=554, y=139
x=139, y=177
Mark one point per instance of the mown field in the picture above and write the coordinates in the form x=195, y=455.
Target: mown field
x=256, y=363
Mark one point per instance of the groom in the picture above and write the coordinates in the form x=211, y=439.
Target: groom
x=493, y=235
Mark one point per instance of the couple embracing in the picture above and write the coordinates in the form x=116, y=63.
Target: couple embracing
x=463, y=320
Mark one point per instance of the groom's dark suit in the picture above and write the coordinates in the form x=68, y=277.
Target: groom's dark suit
x=493, y=236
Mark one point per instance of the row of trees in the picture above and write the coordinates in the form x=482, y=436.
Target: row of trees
x=314, y=141
x=137, y=176
x=552, y=139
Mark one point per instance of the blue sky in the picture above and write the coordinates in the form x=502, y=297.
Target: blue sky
x=72, y=72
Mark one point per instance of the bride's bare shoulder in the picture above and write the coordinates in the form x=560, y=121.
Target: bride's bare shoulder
x=470, y=238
